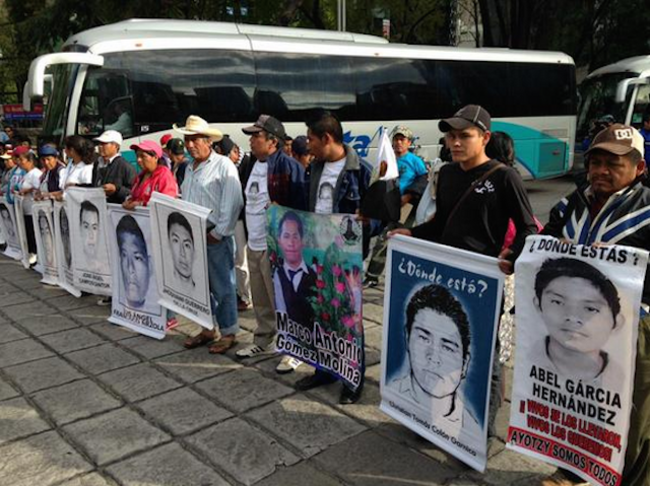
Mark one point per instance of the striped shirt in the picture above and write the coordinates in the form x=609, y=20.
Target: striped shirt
x=215, y=185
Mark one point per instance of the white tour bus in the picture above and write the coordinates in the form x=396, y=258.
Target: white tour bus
x=141, y=76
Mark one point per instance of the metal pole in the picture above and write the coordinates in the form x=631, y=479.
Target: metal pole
x=343, y=16
x=338, y=15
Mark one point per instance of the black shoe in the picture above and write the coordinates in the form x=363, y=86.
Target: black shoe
x=370, y=282
x=319, y=378
x=349, y=396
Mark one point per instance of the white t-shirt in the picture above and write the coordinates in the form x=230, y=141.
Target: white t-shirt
x=81, y=173
x=32, y=180
x=257, y=200
x=326, y=186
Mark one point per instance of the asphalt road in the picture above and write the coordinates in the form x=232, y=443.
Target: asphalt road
x=545, y=194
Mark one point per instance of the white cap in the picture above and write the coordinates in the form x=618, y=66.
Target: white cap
x=110, y=136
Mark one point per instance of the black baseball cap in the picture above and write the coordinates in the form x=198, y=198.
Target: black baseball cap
x=176, y=146
x=268, y=124
x=225, y=145
x=299, y=145
x=466, y=117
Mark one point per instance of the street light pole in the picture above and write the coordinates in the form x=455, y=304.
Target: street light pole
x=340, y=15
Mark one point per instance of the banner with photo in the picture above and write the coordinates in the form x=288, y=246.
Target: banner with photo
x=441, y=314
x=316, y=262
x=22, y=231
x=88, y=219
x=8, y=225
x=63, y=247
x=135, y=293
x=179, y=235
x=43, y=220
x=577, y=326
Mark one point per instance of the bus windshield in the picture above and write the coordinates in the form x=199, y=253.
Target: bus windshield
x=63, y=78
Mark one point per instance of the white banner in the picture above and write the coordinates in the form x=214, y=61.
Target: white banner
x=8, y=223
x=63, y=248
x=577, y=326
x=44, y=232
x=135, y=293
x=22, y=233
x=178, y=232
x=441, y=311
x=88, y=220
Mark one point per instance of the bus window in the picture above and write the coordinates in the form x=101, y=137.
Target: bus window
x=641, y=104
x=105, y=104
x=63, y=76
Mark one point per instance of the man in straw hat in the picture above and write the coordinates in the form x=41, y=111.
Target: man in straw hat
x=212, y=181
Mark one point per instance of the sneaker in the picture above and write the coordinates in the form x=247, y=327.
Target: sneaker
x=287, y=365
x=32, y=259
x=370, y=282
x=253, y=350
x=319, y=378
x=104, y=301
x=350, y=396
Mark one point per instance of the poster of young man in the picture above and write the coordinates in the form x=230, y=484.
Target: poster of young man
x=63, y=248
x=577, y=314
x=441, y=313
x=316, y=263
x=8, y=224
x=22, y=230
x=88, y=219
x=44, y=233
x=178, y=233
x=135, y=293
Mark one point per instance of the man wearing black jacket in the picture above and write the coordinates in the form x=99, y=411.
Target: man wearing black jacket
x=112, y=171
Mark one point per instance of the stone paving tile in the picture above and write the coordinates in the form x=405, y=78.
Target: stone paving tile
x=39, y=326
x=72, y=340
x=268, y=367
x=74, y=401
x=139, y=382
x=21, y=351
x=299, y=475
x=69, y=302
x=373, y=336
x=114, y=435
x=18, y=297
x=166, y=465
x=42, y=460
x=369, y=459
x=308, y=425
x=373, y=312
x=113, y=331
x=196, y=364
x=7, y=391
x=102, y=358
x=51, y=292
x=9, y=333
x=92, y=479
x=244, y=452
x=19, y=419
x=90, y=315
x=509, y=467
x=35, y=308
x=183, y=411
x=373, y=373
x=244, y=389
x=44, y=373
x=153, y=348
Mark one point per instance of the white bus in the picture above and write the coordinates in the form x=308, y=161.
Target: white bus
x=150, y=74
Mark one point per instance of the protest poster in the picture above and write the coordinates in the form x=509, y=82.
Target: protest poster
x=22, y=230
x=179, y=235
x=135, y=293
x=88, y=218
x=63, y=247
x=316, y=263
x=441, y=312
x=44, y=233
x=577, y=325
x=8, y=223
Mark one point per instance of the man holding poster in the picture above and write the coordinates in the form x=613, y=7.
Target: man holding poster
x=612, y=209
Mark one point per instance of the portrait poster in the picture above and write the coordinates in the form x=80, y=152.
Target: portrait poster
x=63, y=247
x=135, y=292
x=316, y=263
x=42, y=216
x=22, y=232
x=179, y=235
x=8, y=224
x=441, y=314
x=88, y=219
x=577, y=326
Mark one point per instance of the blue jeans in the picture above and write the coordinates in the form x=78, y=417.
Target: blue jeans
x=221, y=274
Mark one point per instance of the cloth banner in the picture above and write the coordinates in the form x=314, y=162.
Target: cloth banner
x=577, y=326
x=22, y=232
x=135, y=293
x=63, y=247
x=178, y=233
x=316, y=262
x=88, y=218
x=441, y=312
x=8, y=224
x=43, y=219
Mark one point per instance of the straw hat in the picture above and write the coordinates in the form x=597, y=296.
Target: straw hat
x=195, y=125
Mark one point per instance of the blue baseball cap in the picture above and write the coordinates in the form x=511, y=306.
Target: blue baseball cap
x=47, y=150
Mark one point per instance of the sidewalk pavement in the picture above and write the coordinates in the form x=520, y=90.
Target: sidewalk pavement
x=86, y=403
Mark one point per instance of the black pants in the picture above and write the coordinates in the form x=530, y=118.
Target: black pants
x=29, y=232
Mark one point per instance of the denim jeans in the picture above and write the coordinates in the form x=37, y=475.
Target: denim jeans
x=221, y=274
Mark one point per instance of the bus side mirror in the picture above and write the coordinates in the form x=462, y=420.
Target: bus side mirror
x=621, y=89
